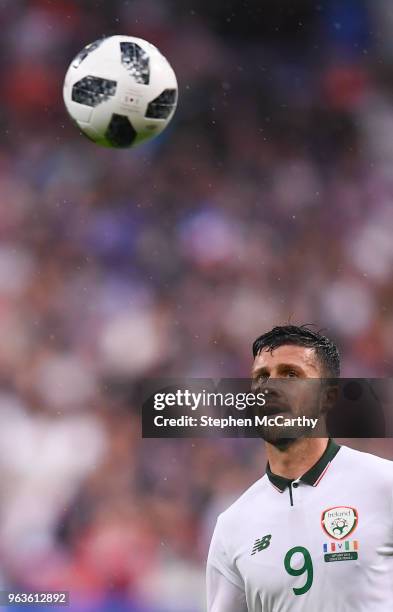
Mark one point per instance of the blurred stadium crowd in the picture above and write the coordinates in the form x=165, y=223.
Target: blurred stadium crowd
x=268, y=200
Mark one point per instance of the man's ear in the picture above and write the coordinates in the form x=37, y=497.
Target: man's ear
x=329, y=395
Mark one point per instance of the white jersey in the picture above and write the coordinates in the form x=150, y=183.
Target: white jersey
x=321, y=543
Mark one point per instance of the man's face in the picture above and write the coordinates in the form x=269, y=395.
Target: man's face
x=291, y=376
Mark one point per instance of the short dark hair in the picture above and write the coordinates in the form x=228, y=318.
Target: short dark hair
x=325, y=350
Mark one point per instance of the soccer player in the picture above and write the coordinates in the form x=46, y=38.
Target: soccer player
x=315, y=533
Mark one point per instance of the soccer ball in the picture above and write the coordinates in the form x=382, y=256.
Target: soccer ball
x=120, y=91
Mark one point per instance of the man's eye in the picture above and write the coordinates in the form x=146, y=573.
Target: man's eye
x=292, y=374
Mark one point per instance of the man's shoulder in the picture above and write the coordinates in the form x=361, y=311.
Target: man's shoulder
x=367, y=464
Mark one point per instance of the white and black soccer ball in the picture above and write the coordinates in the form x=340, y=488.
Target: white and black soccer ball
x=120, y=91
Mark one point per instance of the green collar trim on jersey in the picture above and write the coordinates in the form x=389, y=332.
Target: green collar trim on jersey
x=313, y=475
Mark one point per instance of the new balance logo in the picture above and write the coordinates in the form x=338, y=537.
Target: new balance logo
x=261, y=544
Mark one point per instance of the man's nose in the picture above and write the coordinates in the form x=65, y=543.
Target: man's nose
x=275, y=388
x=272, y=390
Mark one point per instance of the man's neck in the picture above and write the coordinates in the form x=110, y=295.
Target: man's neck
x=296, y=459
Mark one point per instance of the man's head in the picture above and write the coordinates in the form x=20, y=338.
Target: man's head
x=304, y=357
x=314, y=355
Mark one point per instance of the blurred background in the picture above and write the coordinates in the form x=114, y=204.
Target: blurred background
x=269, y=199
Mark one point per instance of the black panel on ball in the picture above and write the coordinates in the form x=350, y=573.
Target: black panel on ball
x=92, y=91
x=162, y=106
x=120, y=132
x=82, y=55
x=136, y=61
